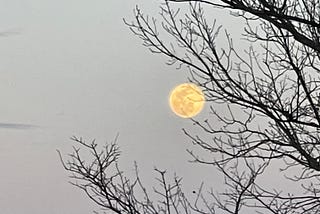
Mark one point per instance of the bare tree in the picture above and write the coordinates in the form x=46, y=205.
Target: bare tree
x=105, y=184
x=272, y=94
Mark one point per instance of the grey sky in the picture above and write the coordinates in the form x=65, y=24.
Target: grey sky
x=71, y=67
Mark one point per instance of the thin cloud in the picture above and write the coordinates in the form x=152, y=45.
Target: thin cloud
x=9, y=33
x=16, y=126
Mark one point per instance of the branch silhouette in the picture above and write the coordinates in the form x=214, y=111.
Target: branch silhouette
x=270, y=97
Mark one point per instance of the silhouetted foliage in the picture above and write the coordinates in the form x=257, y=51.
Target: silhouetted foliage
x=272, y=96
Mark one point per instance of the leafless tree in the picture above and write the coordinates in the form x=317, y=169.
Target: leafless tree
x=272, y=94
x=105, y=184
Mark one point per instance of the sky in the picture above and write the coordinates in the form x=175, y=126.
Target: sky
x=72, y=68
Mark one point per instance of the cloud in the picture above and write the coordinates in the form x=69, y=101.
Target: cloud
x=9, y=33
x=16, y=126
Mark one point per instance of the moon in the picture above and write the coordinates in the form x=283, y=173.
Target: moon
x=186, y=100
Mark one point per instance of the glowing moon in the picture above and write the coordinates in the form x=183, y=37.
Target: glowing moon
x=186, y=100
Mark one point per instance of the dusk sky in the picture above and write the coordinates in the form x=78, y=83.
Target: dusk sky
x=73, y=68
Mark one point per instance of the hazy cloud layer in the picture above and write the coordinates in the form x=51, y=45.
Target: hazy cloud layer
x=16, y=126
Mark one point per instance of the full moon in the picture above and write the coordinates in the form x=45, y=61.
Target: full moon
x=186, y=100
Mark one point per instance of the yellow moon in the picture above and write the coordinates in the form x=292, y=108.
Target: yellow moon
x=186, y=100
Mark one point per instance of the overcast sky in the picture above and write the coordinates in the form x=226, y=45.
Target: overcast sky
x=71, y=67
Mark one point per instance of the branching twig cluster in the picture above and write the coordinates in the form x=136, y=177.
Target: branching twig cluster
x=106, y=185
